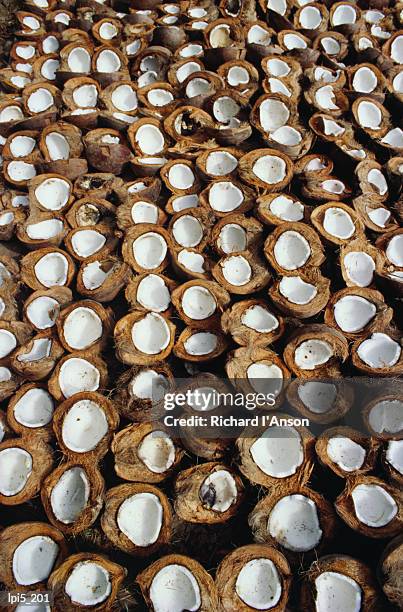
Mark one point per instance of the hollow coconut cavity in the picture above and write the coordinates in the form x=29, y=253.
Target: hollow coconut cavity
x=34, y=408
x=260, y=319
x=21, y=146
x=270, y=169
x=149, y=250
x=318, y=397
x=157, y=452
x=57, y=146
x=40, y=350
x=82, y=327
x=286, y=135
x=236, y=270
x=151, y=334
x=346, y=453
x=124, y=98
x=192, y=261
x=265, y=377
x=286, y=209
x=149, y=385
x=198, y=303
x=373, y=506
x=33, y=560
x=353, y=312
x=49, y=69
x=364, y=80
x=144, y=212
x=335, y=591
x=197, y=87
x=344, y=15
x=379, y=351
x=258, y=584
x=278, y=452
x=292, y=250
x=140, y=518
x=44, y=229
x=87, y=242
x=394, y=455
x=377, y=180
x=386, y=417
x=237, y=75
x=225, y=196
x=53, y=193
x=153, y=294
x=78, y=375
x=20, y=171
x=150, y=139
x=273, y=114
x=394, y=250
x=296, y=290
x=187, y=231
x=70, y=495
x=159, y=97
x=40, y=100
x=15, y=469
x=312, y=354
x=88, y=584
x=181, y=176
x=360, y=268
x=220, y=163
x=232, y=238
x=108, y=61
x=294, y=523
x=369, y=115
x=43, y=311
x=174, y=588
x=201, y=343
x=84, y=426
x=218, y=491
x=94, y=276
x=338, y=223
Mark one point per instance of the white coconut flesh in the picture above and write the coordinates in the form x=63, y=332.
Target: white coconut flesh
x=394, y=138
x=151, y=334
x=344, y=15
x=224, y=196
x=21, y=146
x=258, y=584
x=396, y=50
x=364, y=80
x=34, y=408
x=25, y=51
x=149, y=384
x=294, y=523
x=258, y=36
x=53, y=193
x=49, y=68
x=40, y=349
x=84, y=426
x=197, y=87
x=87, y=242
x=124, y=98
x=232, y=238
x=220, y=36
x=278, y=452
x=153, y=294
x=220, y=163
x=107, y=31
x=147, y=78
x=325, y=97
x=191, y=261
x=78, y=375
x=265, y=377
x=225, y=109
x=236, y=270
x=330, y=45
x=70, y=495
x=11, y=113
x=20, y=171
x=191, y=50
x=152, y=161
x=318, y=397
x=43, y=311
x=286, y=135
x=50, y=44
x=157, y=452
x=353, y=312
x=144, y=212
x=33, y=560
x=277, y=86
x=293, y=41
x=373, y=505
x=313, y=353
x=360, y=268
x=15, y=469
x=315, y=164
x=174, y=589
x=187, y=231
x=278, y=68
x=57, y=146
x=149, y=250
x=186, y=70
x=20, y=201
x=237, y=75
x=292, y=250
x=346, y=453
x=365, y=43
x=397, y=83
x=201, y=343
x=8, y=342
x=394, y=250
x=332, y=128
x=273, y=114
x=379, y=351
x=159, y=97
x=336, y=592
x=19, y=81
x=150, y=139
x=394, y=455
x=82, y=328
x=5, y=375
x=260, y=319
x=218, y=491
x=197, y=13
x=287, y=209
x=387, y=417
x=108, y=61
x=278, y=6
x=310, y=18
x=296, y=290
x=140, y=518
x=31, y=22
x=270, y=169
x=198, y=303
x=44, y=230
x=85, y=96
x=88, y=584
x=40, y=100
x=369, y=115
x=377, y=180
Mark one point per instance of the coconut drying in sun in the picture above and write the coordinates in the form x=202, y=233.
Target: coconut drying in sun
x=201, y=279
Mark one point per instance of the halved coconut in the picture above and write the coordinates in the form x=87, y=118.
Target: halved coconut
x=179, y=176
x=241, y=273
x=234, y=233
x=72, y=496
x=139, y=210
x=355, y=311
x=19, y=172
x=86, y=579
x=266, y=168
x=253, y=577
x=359, y=260
x=84, y=325
x=82, y=243
x=137, y=518
x=151, y=292
x=177, y=583
x=292, y=246
x=346, y=451
x=145, y=453
x=91, y=211
x=31, y=410
x=29, y=553
x=323, y=401
x=302, y=295
x=277, y=208
x=51, y=192
x=209, y=493
x=252, y=322
x=225, y=197
x=378, y=354
x=102, y=278
x=190, y=230
x=371, y=506
x=197, y=345
x=190, y=264
x=47, y=267
x=145, y=248
x=147, y=137
x=60, y=141
x=383, y=416
x=143, y=338
x=77, y=373
x=40, y=98
x=392, y=461
x=199, y=302
x=371, y=116
x=218, y=163
x=12, y=335
x=337, y=222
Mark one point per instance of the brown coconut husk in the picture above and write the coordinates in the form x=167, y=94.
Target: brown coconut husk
x=390, y=571
x=371, y=446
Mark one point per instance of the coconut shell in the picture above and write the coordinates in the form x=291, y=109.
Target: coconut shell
x=54, y=383
x=317, y=219
x=62, y=295
x=387, y=370
x=29, y=261
x=201, y=356
x=311, y=276
x=133, y=234
x=232, y=323
x=104, y=314
x=118, y=274
x=37, y=369
x=389, y=571
x=127, y=352
x=260, y=275
x=341, y=405
x=371, y=446
x=219, y=293
x=368, y=416
x=316, y=257
x=18, y=427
